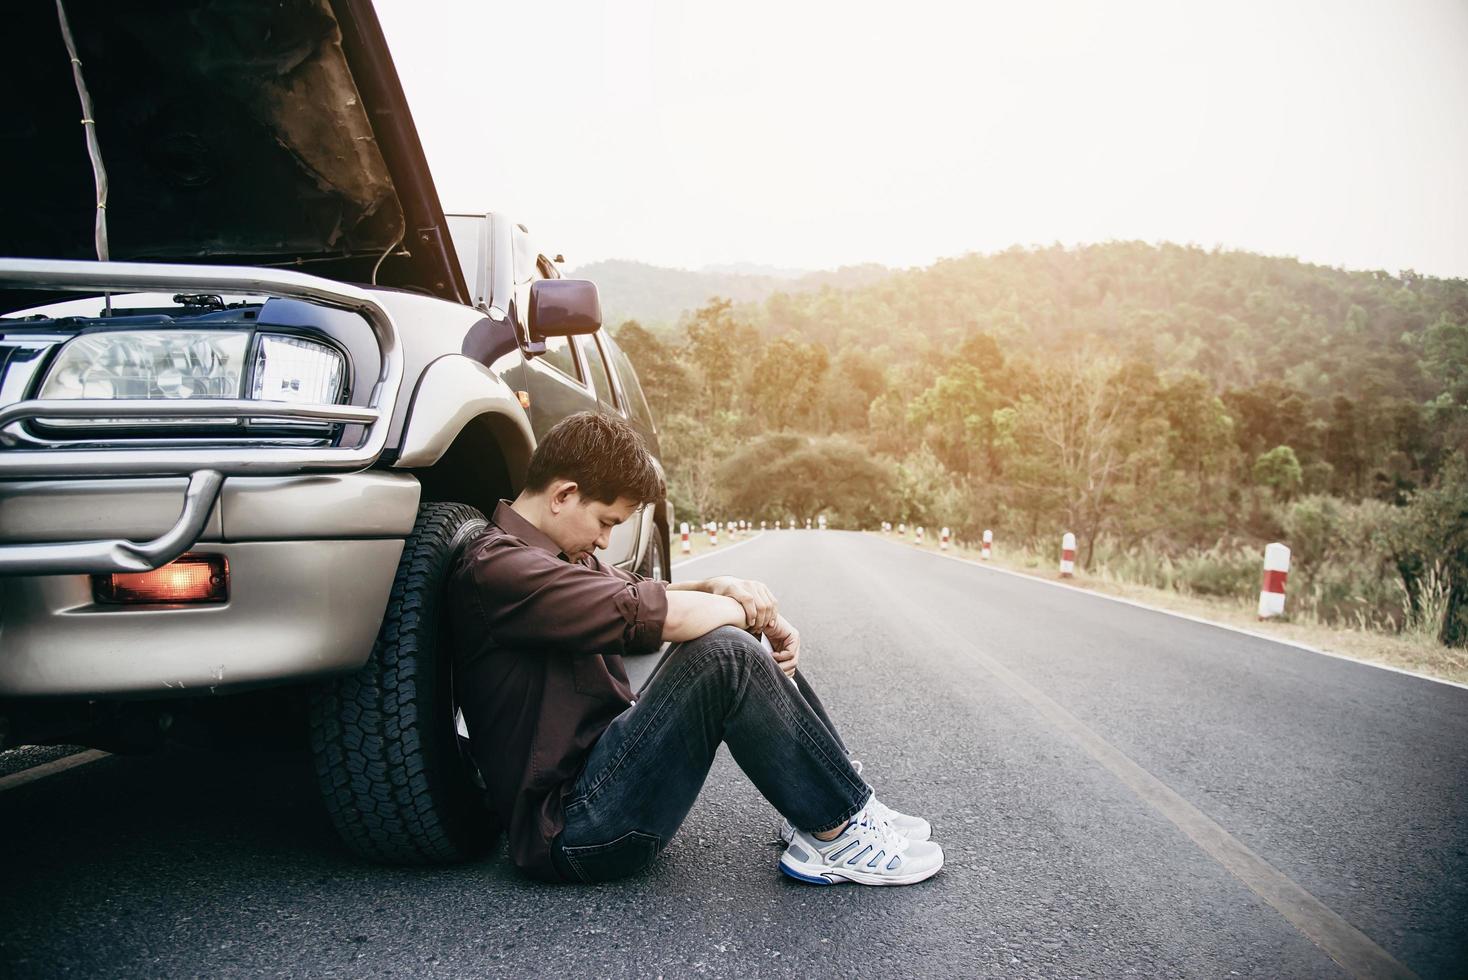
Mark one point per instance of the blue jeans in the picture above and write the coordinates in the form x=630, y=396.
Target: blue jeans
x=644, y=773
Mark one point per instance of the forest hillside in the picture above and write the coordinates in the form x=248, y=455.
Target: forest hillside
x=1174, y=407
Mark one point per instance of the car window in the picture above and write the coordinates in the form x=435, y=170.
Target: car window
x=597, y=368
x=636, y=401
x=559, y=355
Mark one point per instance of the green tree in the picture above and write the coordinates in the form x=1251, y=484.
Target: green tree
x=1070, y=442
x=665, y=379
x=1445, y=359
x=1200, y=431
x=694, y=448
x=783, y=476
x=953, y=416
x=1279, y=470
x=855, y=381
x=787, y=384
x=720, y=348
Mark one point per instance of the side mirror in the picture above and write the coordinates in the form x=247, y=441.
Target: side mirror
x=559, y=307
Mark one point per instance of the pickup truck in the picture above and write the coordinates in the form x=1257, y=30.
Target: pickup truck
x=239, y=456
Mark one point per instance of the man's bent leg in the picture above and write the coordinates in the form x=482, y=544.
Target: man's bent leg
x=648, y=767
x=809, y=693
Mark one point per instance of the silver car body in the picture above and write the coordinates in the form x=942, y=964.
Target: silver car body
x=312, y=536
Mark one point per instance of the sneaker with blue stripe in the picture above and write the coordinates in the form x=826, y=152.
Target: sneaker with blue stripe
x=869, y=851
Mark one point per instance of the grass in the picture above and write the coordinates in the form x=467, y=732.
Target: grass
x=1415, y=648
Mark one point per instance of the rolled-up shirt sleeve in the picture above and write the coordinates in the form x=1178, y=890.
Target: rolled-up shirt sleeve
x=531, y=599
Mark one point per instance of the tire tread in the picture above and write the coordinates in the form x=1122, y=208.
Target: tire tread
x=389, y=792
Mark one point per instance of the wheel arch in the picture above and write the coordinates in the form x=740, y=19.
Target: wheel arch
x=486, y=462
x=466, y=439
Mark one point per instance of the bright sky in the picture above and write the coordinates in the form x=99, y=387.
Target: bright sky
x=818, y=134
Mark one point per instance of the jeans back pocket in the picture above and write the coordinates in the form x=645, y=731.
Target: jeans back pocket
x=627, y=855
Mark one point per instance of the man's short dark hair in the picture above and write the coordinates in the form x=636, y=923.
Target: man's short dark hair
x=604, y=455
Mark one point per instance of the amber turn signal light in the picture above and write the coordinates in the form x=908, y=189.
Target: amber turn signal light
x=192, y=578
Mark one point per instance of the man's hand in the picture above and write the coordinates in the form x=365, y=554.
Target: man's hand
x=786, y=641
x=761, y=611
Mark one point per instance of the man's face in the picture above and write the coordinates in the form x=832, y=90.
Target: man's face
x=580, y=525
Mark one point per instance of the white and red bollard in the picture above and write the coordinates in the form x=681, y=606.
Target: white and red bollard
x=986, y=553
x=761, y=525
x=943, y=540
x=920, y=534
x=1068, y=555
x=1272, y=588
x=714, y=535
x=821, y=521
x=902, y=531
x=683, y=533
x=807, y=523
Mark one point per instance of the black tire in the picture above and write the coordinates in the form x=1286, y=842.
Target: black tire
x=655, y=562
x=388, y=760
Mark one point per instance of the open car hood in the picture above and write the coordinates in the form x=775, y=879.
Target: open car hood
x=233, y=131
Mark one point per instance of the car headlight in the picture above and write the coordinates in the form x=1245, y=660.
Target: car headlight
x=293, y=369
x=149, y=364
x=193, y=364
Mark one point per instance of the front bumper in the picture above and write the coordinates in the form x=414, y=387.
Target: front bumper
x=311, y=564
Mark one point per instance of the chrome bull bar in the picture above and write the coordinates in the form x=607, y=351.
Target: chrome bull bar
x=205, y=468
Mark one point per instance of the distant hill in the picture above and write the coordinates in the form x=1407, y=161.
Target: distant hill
x=657, y=295
x=754, y=269
x=1235, y=317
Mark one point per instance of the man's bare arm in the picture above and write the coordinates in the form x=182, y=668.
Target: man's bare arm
x=761, y=609
x=692, y=614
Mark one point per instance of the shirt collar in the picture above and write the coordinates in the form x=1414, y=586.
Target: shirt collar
x=507, y=519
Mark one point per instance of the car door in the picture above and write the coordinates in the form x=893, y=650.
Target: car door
x=626, y=538
x=630, y=397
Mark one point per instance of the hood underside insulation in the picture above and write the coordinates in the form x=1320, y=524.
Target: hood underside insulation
x=232, y=131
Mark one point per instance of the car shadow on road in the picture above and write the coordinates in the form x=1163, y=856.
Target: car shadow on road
x=186, y=864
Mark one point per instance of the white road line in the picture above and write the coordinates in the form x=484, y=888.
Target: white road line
x=1341, y=941
x=18, y=779
x=721, y=551
x=1192, y=619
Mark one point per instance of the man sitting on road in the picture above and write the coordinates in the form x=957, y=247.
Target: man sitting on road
x=593, y=782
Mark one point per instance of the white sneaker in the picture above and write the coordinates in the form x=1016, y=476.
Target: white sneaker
x=869, y=852
x=913, y=828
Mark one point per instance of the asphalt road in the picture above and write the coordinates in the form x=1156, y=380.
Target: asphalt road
x=1119, y=793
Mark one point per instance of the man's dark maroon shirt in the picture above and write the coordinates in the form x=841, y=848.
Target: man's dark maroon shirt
x=538, y=645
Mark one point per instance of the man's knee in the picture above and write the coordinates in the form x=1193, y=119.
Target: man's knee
x=725, y=648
